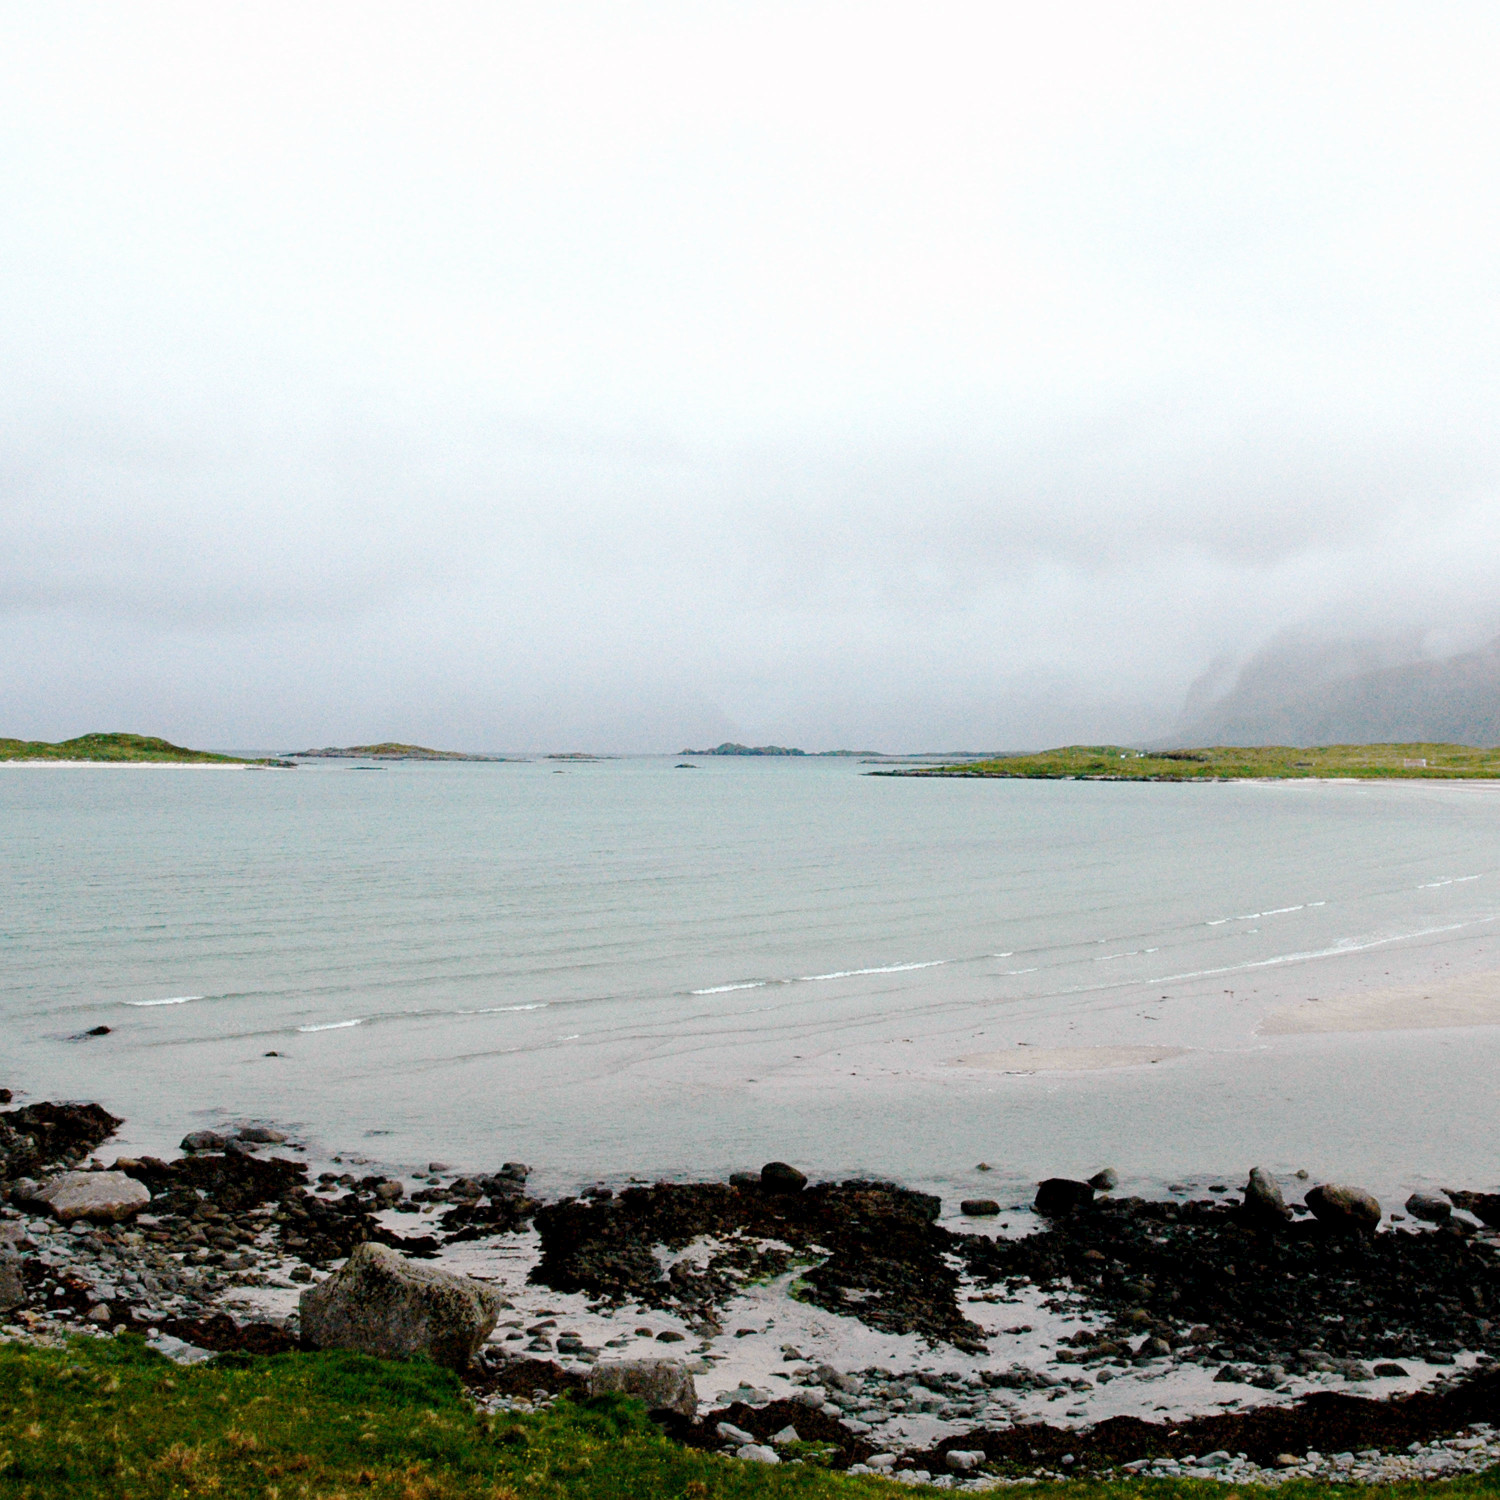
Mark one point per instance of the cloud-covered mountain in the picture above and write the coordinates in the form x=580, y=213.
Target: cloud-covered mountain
x=1347, y=693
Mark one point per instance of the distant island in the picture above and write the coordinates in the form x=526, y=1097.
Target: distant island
x=138, y=748
x=1231, y=763
x=387, y=751
x=729, y=747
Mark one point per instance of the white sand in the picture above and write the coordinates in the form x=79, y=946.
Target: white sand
x=1068, y=1059
x=1468, y=1000
x=133, y=765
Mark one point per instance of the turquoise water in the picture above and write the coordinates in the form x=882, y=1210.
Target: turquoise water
x=622, y=967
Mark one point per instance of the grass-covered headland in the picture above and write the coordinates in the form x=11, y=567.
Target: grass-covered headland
x=1231, y=763
x=119, y=747
x=108, y=1417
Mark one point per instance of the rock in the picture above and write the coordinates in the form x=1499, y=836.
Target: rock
x=1484, y=1206
x=1430, y=1207
x=380, y=1303
x=1390, y=1371
x=744, y=1179
x=663, y=1384
x=261, y=1135
x=101, y=1197
x=836, y=1380
x=389, y=1191
x=758, y=1453
x=879, y=1461
x=1105, y=1181
x=979, y=1208
x=1061, y=1195
x=778, y=1177
x=1263, y=1200
x=99, y=1313
x=671, y=1336
x=788, y=1434
x=12, y=1288
x=732, y=1434
x=1350, y=1209
x=964, y=1460
x=203, y=1140
x=1287, y=1460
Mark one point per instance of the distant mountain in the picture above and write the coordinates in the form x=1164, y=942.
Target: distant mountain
x=1351, y=693
x=386, y=751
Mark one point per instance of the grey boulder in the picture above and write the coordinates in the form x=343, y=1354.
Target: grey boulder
x=1350, y=1209
x=380, y=1303
x=663, y=1384
x=1263, y=1200
x=1106, y=1180
x=100, y=1197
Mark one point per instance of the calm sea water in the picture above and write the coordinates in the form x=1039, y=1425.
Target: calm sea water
x=623, y=967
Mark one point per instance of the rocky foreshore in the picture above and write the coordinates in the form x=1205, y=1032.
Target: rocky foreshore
x=1229, y=1335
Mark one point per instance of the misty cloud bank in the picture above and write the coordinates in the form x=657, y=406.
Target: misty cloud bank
x=947, y=377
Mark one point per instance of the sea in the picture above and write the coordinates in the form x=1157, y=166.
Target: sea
x=637, y=968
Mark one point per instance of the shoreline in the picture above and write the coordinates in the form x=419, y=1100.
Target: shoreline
x=937, y=1331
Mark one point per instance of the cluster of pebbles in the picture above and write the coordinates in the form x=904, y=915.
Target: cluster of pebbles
x=1259, y=1293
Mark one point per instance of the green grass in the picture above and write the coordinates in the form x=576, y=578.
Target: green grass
x=132, y=747
x=1222, y=763
x=108, y=1418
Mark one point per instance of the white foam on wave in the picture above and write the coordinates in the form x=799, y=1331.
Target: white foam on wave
x=504, y=1010
x=724, y=989
x=334, y=1025
x=931, y=963
x=1432, y=885
x=171, y=1000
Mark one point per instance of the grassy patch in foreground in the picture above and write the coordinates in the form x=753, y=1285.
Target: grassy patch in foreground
x=108, y=1418
x=1229, y=762
x=134, y=747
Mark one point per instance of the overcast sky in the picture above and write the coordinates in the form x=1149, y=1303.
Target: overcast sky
x=621, y=376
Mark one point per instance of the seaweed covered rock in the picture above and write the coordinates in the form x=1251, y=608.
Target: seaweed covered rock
x=380, y=1303
x=1061, y=1195
x=44, y=1135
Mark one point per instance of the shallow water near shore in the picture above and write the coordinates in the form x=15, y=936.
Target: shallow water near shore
x=621, y=967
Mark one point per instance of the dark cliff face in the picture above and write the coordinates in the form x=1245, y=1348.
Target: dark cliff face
x=1286, y=697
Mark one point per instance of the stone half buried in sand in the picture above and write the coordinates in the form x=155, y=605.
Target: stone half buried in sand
x=100, y=1197
x=1350, y=1209
x=663, y=1384
x=380, y=1303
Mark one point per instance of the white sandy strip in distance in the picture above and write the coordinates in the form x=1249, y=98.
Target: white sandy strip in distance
x=1468, y=1000
x=1067, y=1059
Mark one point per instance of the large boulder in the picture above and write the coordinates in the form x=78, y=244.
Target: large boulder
x=1058, y=1196
x=380, y=1303
x=1263, y=1201
x=778, y=1177
x=100, y=1197
x=663, y=1384
x=1429, y=1206
x=1350, y=1209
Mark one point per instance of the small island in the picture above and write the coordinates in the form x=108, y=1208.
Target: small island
x=388, y=750
x=1231, y=763
x=137, y=749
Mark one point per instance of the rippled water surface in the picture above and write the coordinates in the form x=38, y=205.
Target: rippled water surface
x=626, y=967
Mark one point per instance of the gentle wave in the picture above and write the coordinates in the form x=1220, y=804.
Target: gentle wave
x=724, y=989
x=503, y=1010
x=334, y=1025
x=931, y=963
x=173, y=1000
